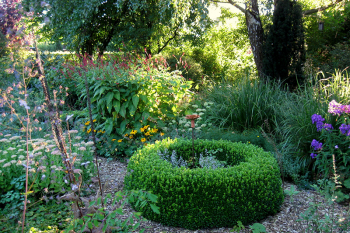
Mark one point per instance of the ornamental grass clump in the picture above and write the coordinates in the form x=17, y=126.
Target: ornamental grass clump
x=246, y=186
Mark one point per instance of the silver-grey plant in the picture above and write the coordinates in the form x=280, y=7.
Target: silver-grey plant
x=209, y=161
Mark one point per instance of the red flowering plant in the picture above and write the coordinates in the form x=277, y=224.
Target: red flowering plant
x=129, y=92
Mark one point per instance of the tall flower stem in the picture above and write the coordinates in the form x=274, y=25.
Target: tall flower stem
x=192, y=118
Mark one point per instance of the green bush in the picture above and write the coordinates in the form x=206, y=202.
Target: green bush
x=129, y=94
x=247, y=189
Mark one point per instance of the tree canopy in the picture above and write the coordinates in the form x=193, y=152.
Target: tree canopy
x=90, y=25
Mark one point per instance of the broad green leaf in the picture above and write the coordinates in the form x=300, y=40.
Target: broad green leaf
x=117, y=95
x=116, y=105
x=123, y=125
x=155, y=208
x=109, y=98
x=347, y=183
x=123, y=109
x=135, y=101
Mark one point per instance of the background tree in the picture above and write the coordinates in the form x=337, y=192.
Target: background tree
x=91, y=25
x=255, y=27
x=284, y=51
x=9, y=28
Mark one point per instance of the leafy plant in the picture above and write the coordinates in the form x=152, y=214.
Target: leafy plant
x=257, y=228
x=291, y=192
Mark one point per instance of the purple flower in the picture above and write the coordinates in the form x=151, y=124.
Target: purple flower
x=345, y=129
x=318, y=120
x=313, y=155
x=316, y=145
x=327, y=126
x=336, y=147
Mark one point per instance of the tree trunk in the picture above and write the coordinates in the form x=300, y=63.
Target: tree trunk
x=255, y=32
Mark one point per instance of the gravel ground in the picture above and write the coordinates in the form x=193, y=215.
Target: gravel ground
x=112, y=176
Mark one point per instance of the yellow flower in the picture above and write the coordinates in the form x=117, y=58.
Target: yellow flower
x=155, y=130
x=161, y=134
x=89, y=130
x=103, y=131
x=143, y=139
x=142, y=129
x=145, y=144
x=116, y=149
x=131, y=136
x=94, y=120
x=257, y=136
x=147, y=134
x=95, y=130
x=113, y=139
x=133, y=131
x=87, y=123
x=120, y=140
x=126, y=135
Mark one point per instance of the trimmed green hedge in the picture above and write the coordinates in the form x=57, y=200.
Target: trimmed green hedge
x=247, y=190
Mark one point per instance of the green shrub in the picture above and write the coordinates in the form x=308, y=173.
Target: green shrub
x=129, y=94
x=247, y=189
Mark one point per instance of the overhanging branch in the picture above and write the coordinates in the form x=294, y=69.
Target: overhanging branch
x=322, y=8
x=237, y=6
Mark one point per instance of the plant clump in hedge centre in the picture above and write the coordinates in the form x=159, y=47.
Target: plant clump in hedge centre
x=248, y=189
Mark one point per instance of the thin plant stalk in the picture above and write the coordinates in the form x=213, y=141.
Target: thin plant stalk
x=92, y=130
x=27, y=163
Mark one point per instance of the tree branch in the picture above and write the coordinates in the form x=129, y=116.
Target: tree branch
x=322, y=8
x=237, y=6
x=171, y=38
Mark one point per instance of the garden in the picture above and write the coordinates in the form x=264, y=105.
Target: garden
x=189, y=132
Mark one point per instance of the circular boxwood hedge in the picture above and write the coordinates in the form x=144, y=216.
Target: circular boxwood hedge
x=247, y=189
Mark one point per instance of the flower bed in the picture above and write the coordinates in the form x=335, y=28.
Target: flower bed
x=247, y=189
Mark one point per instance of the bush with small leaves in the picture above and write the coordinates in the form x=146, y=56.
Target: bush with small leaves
x=198, y=196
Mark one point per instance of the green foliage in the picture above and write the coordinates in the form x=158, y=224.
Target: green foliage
x=250, y=137
x=107, y=220
x=157, y=22
x=320, y=222
x=49, y=170
x=284, y=52
x=291, y=192
x=245, y=104
x=295, y=128
x=247, y=190
x=130, y=94
x=257, y=228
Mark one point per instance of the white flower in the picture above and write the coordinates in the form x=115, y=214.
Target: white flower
x=23, y=103
x=73, y=131
x=20, y=150
x=7, y=164
x=203, y=125
x=11, y=148
x=89, y=143
x=195, y=106
x=69, y=117
x=4, y=152
x=201, y=113
x=3, y=160
x=76, y=144
x=13, y=156
x=55, y=152
x=7, y=135
x=21, y=157
x=204, y=110
x=78, y=137
x=82, y=148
